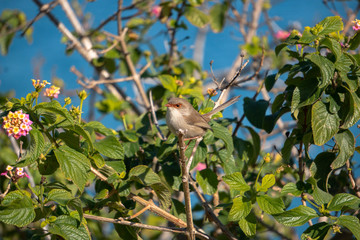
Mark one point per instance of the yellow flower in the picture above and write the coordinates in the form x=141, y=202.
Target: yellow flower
x=267, y=158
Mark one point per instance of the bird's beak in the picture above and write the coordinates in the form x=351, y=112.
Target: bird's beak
x=168, y=105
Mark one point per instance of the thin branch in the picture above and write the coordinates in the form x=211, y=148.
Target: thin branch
x=210, y=213
x=161, y=135
x=134, y=224
x=185, y=183
x=352, y=180
x=197, y=142
x=43, y=10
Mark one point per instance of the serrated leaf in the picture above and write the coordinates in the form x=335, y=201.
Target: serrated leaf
x=270, y=205
x=248, y=224
x=178, y=209
x=196, y=17
x=199, y=155
x=330, y=24
x=333, y=45
x=144, y=175
x=98, y=160
x=75, y=203
x=60, y=196
x=317, y=231
x=320, y=196
x=73, y=164
x=66, y=227
x=320, y=168
x=82, y=132
x=255, y=138
x=36, y=147
x=240, y=209
x=346, y=143
x=163, y=193
x=343, y=200
x=355, y=41
x=99, y=128
x=236, y=182
x=267, y=182
x=350, y=222
x=208, y=181
x=54, y=107
x=102, y=194
x=291, y=188
x=110, y=147
x=17, y=209
x=296, y=217
x=224, y=134
x=323, y=123
x=326, y=67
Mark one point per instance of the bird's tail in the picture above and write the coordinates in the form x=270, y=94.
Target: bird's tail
x=221, y=107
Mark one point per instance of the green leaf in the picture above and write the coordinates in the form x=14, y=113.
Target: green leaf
x=66, y=227
x=236, y=182
x=353, y=115
x=270, y=205
x=75, y=203
x=60, y=196
x=267, y=182
x=36, y=147
x=110, y=147
x=169, y=82
x=346, y=142
x=54, y=107
x=291, y=188
x=248, y=224
x=144, y=175
x=320, y=196
x=208, y=181
x=224, y=134
x=330, y=25
x=333, y=45
x=255, y=138
x=355, y=41
x=178, y=209
x=307, y=36
x=317, y=231
x=196, y=17
x=98, y=160
x=296, y=217
x=217, y=16
x=324, y=124
x=326, y=67
x=199, y=155
x=240, y=209
x=82, y=132
x=163, y=193
x=343, y=200
x=102, y=194
x=73, y=164
x=320, y=168
x=350, y=222
x=270, y=81
x=255, y=111
x=17, y=209
x=99, y=128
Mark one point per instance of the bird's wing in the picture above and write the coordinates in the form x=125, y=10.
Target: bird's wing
x=197, y=120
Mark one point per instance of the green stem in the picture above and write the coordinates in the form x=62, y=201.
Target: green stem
x=81, y=104
x=257, y=177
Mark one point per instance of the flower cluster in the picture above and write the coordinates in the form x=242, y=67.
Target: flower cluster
x=156, y=11
x=19, y=172
x=212, y=92
x=17, y=124
x=38, y=86
x=52, y=92
x=282, y=35
x=356, y=26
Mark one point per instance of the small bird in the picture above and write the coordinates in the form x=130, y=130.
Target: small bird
x=182, y=115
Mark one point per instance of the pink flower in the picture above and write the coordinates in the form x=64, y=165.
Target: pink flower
x=52, y=92
x=200, y=166
x=17, y=124
x=156, y=11
x=282, y=35
x=19, y=172
x=356, y=26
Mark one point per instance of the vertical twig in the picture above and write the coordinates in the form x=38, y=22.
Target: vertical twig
x=352, y=180
x=186, y=188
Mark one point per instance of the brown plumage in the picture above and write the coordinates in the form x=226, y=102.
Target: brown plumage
x=182, y=115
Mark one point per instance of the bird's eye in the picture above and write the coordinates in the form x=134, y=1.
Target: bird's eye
x=177, y=105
